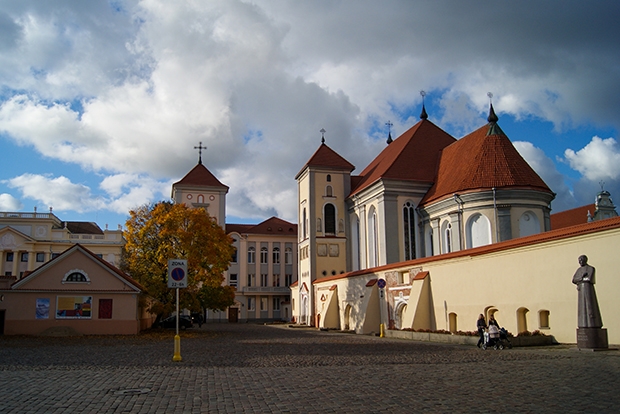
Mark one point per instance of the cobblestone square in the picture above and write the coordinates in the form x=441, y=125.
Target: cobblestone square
x=235, y=368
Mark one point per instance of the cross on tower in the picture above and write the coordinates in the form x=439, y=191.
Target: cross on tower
x=322, y=131
x=200, y=148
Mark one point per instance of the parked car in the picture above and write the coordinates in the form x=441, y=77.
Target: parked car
x=171, y=322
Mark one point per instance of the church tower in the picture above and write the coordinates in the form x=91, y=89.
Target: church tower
x=323, y=184
x=200, y=188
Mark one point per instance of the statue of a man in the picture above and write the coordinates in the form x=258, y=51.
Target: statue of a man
x=588, y=315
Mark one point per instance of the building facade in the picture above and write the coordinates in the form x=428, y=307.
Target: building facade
x=265, y=261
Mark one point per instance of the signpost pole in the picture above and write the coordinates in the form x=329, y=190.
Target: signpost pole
x=177, y=278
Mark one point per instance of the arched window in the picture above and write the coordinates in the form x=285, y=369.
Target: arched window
x=76, y=276
x=447, y=237
x=251, y=255
x=409, y=231
x=329, y=192
x=288, y=255
x=522, y=320
x=478, y=231
x=264, y=255
x=329, y=178
x=276, y=255
x=329, y=213
x=355, y=240
x=201, y=199
x=373, y=245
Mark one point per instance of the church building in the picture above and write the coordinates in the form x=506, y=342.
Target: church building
x=371, y=246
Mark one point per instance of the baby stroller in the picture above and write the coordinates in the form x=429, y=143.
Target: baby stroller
x=503, y=338
x=496, y=338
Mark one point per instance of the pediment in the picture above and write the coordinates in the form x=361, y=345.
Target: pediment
x=11, y=239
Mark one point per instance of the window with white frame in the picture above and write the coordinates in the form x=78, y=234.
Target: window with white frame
x=232, y=280
x=276, y=280
x=276, y=303
x=264, y=255
x=288, y=255
x=251, y=280
x=251, y=255
x=276, y=255
x=264, y=304
x=264, y=280
x=251, y=304
x=288, y=280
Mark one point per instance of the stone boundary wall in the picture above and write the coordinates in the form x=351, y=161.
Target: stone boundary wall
x=466, y=340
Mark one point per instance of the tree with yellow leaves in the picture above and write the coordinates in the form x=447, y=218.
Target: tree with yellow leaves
x=158, y=232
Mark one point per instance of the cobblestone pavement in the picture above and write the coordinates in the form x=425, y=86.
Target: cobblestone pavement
x=229, y=368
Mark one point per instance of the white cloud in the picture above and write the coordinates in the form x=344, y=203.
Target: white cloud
x=9, y=203
x=599, y=160
x=130, y=87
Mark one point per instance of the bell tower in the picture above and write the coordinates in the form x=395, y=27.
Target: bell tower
x=200, y=188
x=323, y=184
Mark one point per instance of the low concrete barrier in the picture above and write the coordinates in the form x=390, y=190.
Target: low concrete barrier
x=537, y=340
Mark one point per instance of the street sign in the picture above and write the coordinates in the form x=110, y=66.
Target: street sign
x=177, y=273
x=381, y=283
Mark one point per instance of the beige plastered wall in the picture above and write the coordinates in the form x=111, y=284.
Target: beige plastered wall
x=536, y=277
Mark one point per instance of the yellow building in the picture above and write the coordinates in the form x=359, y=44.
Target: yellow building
x=265, y=261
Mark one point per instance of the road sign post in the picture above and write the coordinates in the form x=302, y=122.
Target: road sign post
x=177, y=278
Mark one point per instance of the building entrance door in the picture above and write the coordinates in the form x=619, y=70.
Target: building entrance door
x=233, y=315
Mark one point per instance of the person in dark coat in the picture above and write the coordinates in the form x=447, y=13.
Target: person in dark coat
x=482, y=326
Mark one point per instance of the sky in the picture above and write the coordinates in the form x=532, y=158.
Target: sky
x=102, y=102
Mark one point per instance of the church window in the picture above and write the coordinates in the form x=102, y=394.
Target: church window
x=329, y=192
x=330, y=218
x=448, y=238
x=251, y=255
x=276, y=255
x=329, y=178
x=264, y=255
x=373, y=244
x=409, y=231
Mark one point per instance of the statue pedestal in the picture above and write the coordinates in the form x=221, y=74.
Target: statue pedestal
x=592, y=338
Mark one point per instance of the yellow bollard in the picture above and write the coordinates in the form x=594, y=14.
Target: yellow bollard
x=177, y=348
x=381, y=328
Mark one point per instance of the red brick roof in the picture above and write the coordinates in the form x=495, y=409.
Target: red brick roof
x=483, y=159
x=200, y=176
x=412, y=156
x=571, y=217
x=327, y=157
x=271, y=226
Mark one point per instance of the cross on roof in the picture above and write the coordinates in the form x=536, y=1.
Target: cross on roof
x=322, y=131
x=200, y=148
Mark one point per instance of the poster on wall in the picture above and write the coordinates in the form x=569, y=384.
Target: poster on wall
x=43, y=308
x=73, y=307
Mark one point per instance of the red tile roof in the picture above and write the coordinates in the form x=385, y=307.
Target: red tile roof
x=200, y=176
x=571, y=217
x=271, y=226
x=482, y=161
x=327, y=157
x=412, y=156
